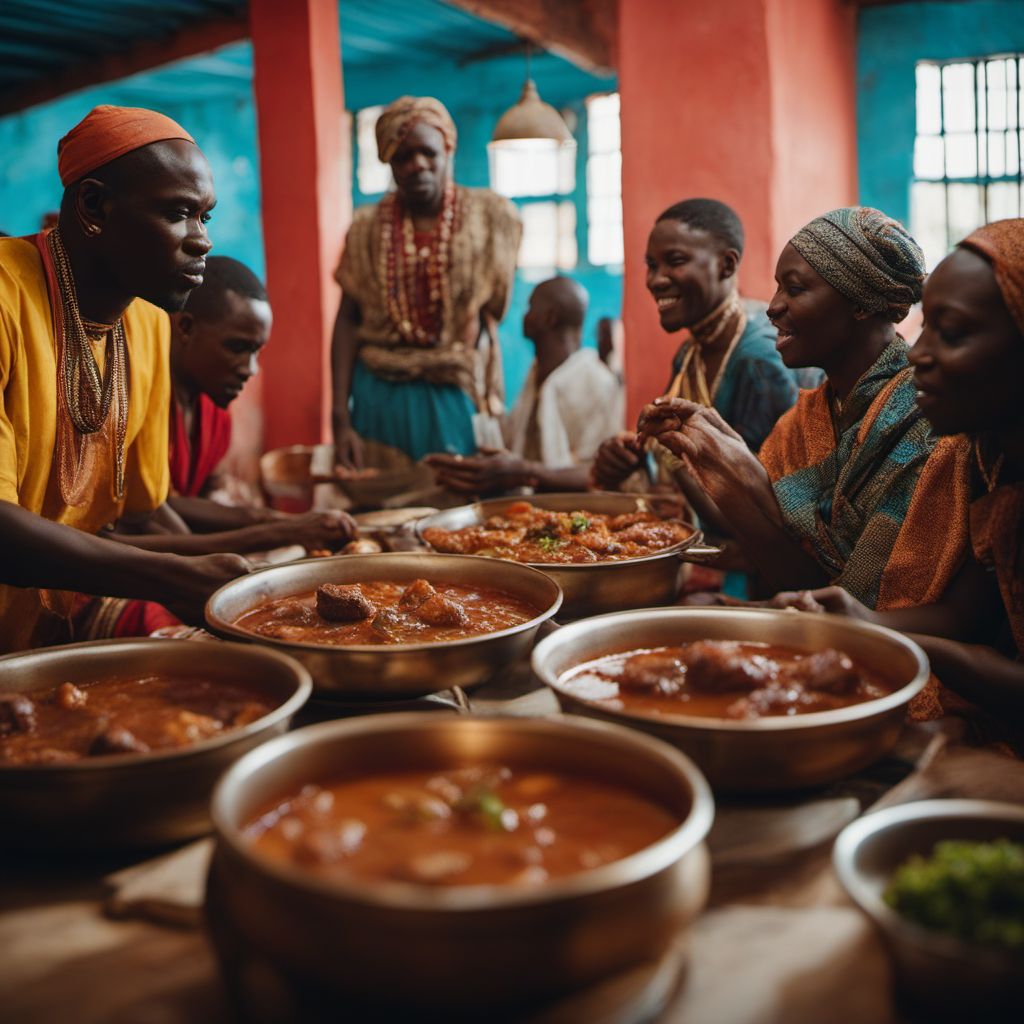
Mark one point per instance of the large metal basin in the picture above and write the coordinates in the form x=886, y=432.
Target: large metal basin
x=769, y=754
x=135, y=800
x=385, y=671
x=377, y=949
x=595, y=587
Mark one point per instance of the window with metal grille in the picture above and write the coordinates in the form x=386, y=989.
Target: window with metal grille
x=967, y=153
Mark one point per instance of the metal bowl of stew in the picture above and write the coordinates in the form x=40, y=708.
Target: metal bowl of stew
x=128, y=800
x=939, y=976
x=593, y=588
x=320, y=943
x=391, y=671
x=767, y=754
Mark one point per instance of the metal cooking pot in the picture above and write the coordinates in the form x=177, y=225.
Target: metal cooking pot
x=386, y=671
x=372, y=947
x=767, y=754
x=134, y=800
x=595, y=587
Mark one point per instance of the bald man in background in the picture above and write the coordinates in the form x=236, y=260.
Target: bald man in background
x=570, y=403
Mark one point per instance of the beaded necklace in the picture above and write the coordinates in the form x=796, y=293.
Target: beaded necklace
x=403, y=265
x=88, y=394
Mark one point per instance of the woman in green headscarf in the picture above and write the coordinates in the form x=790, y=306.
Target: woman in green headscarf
x=851, y=486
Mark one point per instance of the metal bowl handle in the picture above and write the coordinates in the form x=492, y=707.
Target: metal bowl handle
x=700, y=554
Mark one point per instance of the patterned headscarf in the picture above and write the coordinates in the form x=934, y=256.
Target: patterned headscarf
x=1002, y=244
x=399, y=117
x=866, y=256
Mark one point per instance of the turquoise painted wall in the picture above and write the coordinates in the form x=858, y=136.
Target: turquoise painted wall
x=212, y=97
x=891, y=40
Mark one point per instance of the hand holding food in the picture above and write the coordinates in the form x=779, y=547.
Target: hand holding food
x=616, y=460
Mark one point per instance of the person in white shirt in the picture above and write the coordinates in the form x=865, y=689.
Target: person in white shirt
x=570, y=403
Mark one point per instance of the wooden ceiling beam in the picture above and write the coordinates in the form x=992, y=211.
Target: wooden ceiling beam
x=581, y=31
x=146, y=54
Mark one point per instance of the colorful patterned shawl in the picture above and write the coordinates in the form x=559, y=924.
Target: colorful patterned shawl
x=871, y=494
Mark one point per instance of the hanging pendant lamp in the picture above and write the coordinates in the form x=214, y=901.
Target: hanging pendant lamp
x=531, y=124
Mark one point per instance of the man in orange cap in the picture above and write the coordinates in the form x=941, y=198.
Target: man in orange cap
x=84, y=381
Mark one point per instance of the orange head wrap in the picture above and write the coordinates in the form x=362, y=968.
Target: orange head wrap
x=1002, y=244
x=399, y=117
x=106, y=133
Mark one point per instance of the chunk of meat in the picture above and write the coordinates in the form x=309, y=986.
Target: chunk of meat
x=387, y=622
x=17, y=714
x=719, y=666
x=655, y=670
x=337, y=603
x=330, y=843
x=442, y=611
x=42, y=755
x=780, y=699
x=415, y=594
x=70, y=696
x=620, y=522
x=116, y=739
x=830, y=671
x=187, y=727
x=362, y=546
x=436, y=866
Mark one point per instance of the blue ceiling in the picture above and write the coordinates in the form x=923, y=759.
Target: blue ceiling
x=40, y=38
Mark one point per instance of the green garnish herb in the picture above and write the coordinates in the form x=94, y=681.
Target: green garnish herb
x=550, y=544
x=973, y=891
x=579, y=523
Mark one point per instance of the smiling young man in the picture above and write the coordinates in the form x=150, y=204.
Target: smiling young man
x=426, y=275
x=727, y=359
x=84, y=382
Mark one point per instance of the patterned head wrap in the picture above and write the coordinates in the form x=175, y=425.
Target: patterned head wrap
x=866, y=256
x=399, y=117
x=106, y=133
x=1002, y=244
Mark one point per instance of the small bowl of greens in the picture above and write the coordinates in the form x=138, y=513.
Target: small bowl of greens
x=943, y=880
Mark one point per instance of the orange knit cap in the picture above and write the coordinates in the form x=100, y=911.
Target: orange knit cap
x=1002, y=244
x=106, y=133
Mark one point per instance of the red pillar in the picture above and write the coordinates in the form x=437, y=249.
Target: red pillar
x=306, y=179
x=746, y=101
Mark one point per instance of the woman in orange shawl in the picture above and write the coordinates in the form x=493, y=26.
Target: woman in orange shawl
x=969, y=374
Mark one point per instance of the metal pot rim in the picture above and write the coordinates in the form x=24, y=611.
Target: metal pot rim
x=849, y=841
x=223, y=627
x=410, y=897
x=696, y=536
x=779, y=723
x=303, y=691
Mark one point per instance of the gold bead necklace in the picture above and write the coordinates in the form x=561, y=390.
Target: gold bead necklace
x=87, y=393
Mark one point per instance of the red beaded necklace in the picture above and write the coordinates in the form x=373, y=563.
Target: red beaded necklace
x=416, y=278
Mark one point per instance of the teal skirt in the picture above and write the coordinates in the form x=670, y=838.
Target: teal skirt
x=416, y=417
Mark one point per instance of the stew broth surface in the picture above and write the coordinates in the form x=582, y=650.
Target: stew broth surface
x=526, y=533
x=122, y=716
x=482, y=825
x=725, y=679
x=379, y=612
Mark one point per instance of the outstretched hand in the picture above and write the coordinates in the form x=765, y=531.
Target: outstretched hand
x=492, y=471
x=833, y=600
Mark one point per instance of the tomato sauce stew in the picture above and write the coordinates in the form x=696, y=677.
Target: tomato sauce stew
x=725, y=679
x=525, y=533
x=481, y=825
x=122, y=716
x=387, y=613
